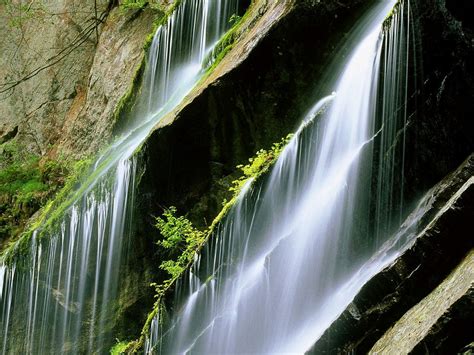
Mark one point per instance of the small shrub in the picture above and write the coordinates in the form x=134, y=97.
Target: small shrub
x=180, y=239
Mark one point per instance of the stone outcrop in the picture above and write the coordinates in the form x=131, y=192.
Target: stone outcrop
x=452, y=329
x=61, y=78
x=424, y=324
x=47, y=51
x=116, y=68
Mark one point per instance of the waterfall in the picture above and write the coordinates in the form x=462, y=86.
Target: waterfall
x=59, y=288
x=298, y=245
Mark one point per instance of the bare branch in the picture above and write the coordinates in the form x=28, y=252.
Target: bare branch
x=81, y=38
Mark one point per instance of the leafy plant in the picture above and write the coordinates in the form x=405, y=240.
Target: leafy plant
x=119, y=348
x=259, y=164
x=179, y=238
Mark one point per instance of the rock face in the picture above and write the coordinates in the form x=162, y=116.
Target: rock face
x=117, y=64
x=424, y=324
x=59, y=83
x=452, y=329
x=441, y=114
x=444, y=239
x=47, y=50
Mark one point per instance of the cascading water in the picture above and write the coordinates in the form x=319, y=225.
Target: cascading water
x=58, y=295
x=296, y=248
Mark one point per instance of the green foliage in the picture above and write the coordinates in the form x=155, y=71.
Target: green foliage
x=26, y=183
x=259, y=164
x=182, y=240
x=133, y=4
x=179, y=238
x=47, y=188
x=235, y=19
x=119, y=348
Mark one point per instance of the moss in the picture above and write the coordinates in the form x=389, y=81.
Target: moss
x=127, y=101
x=159, y=22
x=120, y=348
x=133, y=4
x=227, y=42
x=52, y=210
x=387, y=23
x=26, y=184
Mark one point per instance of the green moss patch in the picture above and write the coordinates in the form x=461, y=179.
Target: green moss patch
x=49, y=187
x=119, y=348
x=26, y=184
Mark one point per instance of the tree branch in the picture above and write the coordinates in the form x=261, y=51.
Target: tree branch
x=82, y=37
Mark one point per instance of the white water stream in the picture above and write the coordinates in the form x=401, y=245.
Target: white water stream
x=59, y=294
x=296, y=248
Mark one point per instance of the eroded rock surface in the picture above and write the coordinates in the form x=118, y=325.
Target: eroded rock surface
x=433, y=315
x=62, y=77
x=47, y=50
x=117, y=60
x=444, y=238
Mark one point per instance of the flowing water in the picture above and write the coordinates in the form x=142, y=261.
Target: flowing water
x=58, y=294
x=296, y=248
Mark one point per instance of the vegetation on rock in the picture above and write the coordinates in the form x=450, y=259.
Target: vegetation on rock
x=183, y=241
x=227, y=42
x=26, y=183
x=119, y=348
x=179, y=238
x=45, y=187
x=140, y=4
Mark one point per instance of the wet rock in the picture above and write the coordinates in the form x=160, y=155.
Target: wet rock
x=444, y=237
x=440, y=111
x=441, y=323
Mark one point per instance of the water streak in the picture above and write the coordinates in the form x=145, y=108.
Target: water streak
x=297, y=246
x=59, y=294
